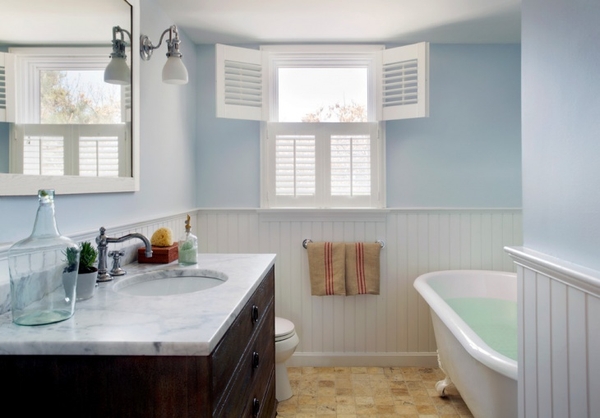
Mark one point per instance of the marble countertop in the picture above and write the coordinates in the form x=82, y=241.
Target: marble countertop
x=112, y=323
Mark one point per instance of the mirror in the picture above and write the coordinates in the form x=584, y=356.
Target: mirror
x=80, y=25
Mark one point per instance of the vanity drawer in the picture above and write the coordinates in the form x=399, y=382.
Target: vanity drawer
x=229, y=351
x=251, y=378
x=266, y=406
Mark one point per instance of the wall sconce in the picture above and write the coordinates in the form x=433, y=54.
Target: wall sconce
x=174, y=71
x=117, y=70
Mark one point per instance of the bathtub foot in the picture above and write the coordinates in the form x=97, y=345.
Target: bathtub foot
x=442, y=385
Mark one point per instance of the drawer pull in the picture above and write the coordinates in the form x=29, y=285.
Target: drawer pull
x=255, y=360
x=255, y=407
x=254, y=314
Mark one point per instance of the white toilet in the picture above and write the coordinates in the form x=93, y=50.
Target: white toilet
x=286, y=342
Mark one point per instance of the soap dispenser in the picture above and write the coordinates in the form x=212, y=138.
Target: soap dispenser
x=188, y=246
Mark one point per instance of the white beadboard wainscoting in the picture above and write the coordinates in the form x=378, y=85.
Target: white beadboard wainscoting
x=393, y=328
x=559, y=337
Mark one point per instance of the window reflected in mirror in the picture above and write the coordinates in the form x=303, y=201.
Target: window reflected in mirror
x=69, y=120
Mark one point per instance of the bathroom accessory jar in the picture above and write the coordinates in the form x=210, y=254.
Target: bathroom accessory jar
x=43, y=270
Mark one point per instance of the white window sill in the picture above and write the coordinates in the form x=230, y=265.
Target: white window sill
x=320, y=214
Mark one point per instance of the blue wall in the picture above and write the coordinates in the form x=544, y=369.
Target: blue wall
x=466, y=154
x=228, y=151
x=561, y=129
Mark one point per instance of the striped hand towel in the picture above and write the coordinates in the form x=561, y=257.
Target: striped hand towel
x=326, y=268
x=362, y=268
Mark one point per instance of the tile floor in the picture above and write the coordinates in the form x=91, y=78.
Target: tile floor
x=382, y=392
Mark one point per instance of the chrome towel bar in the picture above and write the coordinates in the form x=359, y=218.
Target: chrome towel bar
x=307, y=240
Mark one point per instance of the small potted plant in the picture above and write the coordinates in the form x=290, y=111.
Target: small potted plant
x=69, y=276
x=87, y=272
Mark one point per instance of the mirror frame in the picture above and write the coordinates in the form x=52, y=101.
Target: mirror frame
x=22, y=185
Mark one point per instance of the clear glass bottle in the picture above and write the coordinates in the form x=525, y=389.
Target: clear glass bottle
x=43, y=271
x=188, y=246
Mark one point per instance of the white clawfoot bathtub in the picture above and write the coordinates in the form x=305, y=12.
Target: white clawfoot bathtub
x=474, y=318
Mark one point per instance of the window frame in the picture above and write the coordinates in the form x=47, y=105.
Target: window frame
x=321, y=56
x=30, y=60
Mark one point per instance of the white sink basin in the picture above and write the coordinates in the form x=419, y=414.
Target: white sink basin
x=169, y=282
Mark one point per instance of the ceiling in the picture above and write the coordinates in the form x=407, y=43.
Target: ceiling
x=389, y=21
x=43, y=22
x=273, y=21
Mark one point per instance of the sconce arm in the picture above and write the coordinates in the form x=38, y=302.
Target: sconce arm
x=146, y=46
x=120, y=30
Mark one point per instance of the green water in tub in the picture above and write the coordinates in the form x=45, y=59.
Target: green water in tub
x=494, y=320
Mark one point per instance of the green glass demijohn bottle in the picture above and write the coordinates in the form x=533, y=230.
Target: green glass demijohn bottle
x=43, y=270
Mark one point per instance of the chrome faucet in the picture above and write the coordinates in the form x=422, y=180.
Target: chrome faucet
x=102, y=240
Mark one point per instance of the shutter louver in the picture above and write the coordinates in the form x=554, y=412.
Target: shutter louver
x=400, y=83
x=3, y=88
x=43, y=155
x=7, y=85
x=405, y=82
x=243, y=84
x=99, y=156
x=295, y=165
x=350, y=165
x=126, y=103
x=240, y=89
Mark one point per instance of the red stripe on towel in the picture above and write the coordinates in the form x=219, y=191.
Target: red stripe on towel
x=360, y=268
x=328, y=256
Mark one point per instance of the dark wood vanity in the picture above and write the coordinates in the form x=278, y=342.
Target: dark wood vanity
x=236, y=380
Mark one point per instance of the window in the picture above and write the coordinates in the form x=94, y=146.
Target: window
x=70, y=122
x=322, y=110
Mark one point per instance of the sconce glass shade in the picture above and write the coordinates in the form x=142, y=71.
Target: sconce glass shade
x=174, y=71
x=117, y=72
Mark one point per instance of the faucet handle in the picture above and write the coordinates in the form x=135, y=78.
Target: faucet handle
x=116, y=267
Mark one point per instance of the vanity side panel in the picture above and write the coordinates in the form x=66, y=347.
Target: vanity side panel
x=104, y=386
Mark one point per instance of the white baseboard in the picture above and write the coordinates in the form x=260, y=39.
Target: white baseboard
x=300, y=359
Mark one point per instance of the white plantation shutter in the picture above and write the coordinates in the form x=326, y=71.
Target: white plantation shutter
x=405, y=82
x=323, y=165
x=126, y=103
x=99, y=156
x=7, y=87
x=295, y=166
x=350, y=165
x=240, y=87
x=86, y=150
x=102, y=150
x=43, y=155
x=243, y=78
